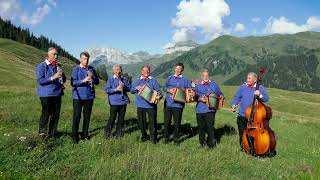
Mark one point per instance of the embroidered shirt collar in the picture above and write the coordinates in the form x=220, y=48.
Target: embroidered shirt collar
x=83, y=66
x=180, y=76
x=141, y=77
x=114, y=76
x=255, y=85
x=202, y=82
x=47, y=62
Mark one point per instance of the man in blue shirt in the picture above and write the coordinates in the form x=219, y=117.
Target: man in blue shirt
x=50, y=79
x=116, y=88
x=83, y=79
x=244, y=97
x=172, y=108
x=205, y=115
x=144, y=107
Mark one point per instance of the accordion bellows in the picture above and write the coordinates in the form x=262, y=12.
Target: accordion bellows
x=215, y=102
x=148, y=94
x=184, y=95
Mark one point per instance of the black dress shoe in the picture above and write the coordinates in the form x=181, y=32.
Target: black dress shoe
x=75, y=141
x=42, y=135
x=107, y=135
x=201, y=146
x=144, y=139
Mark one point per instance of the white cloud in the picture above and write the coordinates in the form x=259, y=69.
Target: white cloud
x=239, y=27
x=283, y=25
x=52, y=2
x=37, y=16
x=313, y=22
x=11, y=9
x=255, y=19
x=203, y=17
x=184, y=34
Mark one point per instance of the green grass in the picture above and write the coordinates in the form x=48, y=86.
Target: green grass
x=295, y=121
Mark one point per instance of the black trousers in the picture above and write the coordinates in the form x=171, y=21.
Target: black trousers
x=242, y=124
x=176, y=113
x=142, y=118
x=86, y=107
x=206, y=126
x=49, y=118
x=116, y=111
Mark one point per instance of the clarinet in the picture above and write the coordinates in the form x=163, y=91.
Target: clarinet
x=90, y=82
x=60, y=80
x=122, y=95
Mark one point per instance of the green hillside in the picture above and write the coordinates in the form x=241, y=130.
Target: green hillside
x=24, y=155
x=12, y=51
x=293, y=58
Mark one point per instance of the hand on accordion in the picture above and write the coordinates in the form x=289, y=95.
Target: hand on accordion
x=233, y=108
x=171, y=91
x=204, y=98
x=159, y=96
x=138, y=88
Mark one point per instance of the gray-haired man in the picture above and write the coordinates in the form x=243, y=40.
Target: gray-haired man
x=116, y=88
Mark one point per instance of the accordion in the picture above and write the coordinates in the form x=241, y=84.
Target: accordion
x=215, y=102
x=148, y=94
x=184, y=95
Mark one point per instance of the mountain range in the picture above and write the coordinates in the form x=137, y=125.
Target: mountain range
x=292, y=61
x=104, y=58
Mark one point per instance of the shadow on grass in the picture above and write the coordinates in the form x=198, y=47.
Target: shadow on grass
x=223, y=131
x=186, y=131
x=131, y=125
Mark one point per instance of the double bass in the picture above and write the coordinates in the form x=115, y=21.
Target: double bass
x=258, y=139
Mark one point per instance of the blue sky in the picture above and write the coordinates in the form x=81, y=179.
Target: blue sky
x=147, y=24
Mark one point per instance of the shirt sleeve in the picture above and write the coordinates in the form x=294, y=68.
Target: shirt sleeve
x=237, y=97
x=265, y=96
x=40, y=74
x=109, y=89
x=188, y=83
x=75, y=80
x=133, y=87
x=199, y=93
x=156, y=86
x=217, y=89
x=166, y=87
x=127, y=85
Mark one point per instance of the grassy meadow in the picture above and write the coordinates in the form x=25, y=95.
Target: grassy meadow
x=24, y=155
